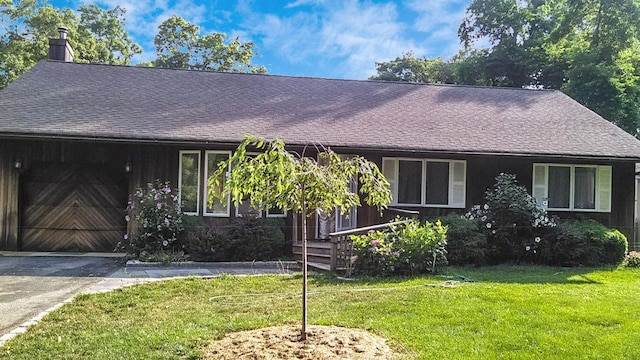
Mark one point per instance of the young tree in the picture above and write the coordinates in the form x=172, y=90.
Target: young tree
x=278, y=178
x=180, y=45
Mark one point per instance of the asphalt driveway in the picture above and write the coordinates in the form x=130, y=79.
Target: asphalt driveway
x=31, y=285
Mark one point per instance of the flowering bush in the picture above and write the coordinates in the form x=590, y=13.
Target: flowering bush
x=514, y=223
x=408, y=248
x=156, y=220
x=632, y=259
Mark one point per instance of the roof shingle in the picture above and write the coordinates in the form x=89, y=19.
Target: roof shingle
x=132, y=103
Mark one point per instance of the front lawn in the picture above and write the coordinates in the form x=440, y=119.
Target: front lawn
x=506, y=312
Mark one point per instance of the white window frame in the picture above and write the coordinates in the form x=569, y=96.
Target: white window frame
x=276, y=215
x=423, y=183
x=197, y=152
x=542, y=191
x=206, y=185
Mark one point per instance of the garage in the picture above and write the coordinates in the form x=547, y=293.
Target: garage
x=72, y=207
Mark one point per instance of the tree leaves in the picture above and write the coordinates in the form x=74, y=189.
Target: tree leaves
x=98, y=36
x=180, y=45
x=278, y=178
x=589, y=49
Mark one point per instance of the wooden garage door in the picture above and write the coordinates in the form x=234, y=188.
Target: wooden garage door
x=72, y=207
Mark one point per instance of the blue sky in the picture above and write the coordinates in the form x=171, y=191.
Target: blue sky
x=319, y=38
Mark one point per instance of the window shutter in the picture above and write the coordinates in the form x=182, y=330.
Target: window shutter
x=604, y=189
x=389, y=172
x=539, y=190
x=458, y=184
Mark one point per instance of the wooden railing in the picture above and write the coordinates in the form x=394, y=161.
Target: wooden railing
x=342, y=246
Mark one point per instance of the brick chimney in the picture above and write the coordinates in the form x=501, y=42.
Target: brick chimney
x=60, y=49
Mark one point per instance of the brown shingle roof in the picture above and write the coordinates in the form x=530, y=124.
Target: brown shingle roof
x=131, y=103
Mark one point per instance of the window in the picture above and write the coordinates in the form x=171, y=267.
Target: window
x=217, y=207
x=572, y=187
x=276, y=213
x=189, y=181
x=426, y=182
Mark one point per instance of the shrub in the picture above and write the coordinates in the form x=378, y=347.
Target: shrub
x=157, y=220
x=409, y=248
x=514, y=223
x=632, y=259
x=583, y=242
x=243, y=239
x=466, y=242
x=258, y=239
x=207, y=243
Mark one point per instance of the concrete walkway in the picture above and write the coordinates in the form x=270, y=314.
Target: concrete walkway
x=34, y=284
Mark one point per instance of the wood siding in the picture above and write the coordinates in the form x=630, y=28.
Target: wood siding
x=72, y=207
x=160, y=162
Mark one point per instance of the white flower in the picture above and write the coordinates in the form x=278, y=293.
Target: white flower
x=527, y=248
x=484, y=218
x=488, y=225
x=537, y=239
x=486, y=206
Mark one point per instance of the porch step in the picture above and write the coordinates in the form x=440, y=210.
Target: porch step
x=322, y=259
x=313, y=247
x=318, y=266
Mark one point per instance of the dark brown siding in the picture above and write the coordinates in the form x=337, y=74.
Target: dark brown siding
x=481, y=174
x=160, y=162
x=8, y=198
x=36, y=154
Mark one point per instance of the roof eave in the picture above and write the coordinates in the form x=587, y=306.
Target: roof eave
x=230, y=142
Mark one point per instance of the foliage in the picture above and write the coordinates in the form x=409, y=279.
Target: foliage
x=282, y=179
x=632, y=259
x=243, y=239
x=278, y=178
x=584, y=243
x=206, y=243
x=98, y=35
x=410, y=69
x=466, y=241
x=588, y=49
x=408, y=248
x=559, y=313
x=257, y=239
x=156, y=220
x=180, y=45
x=514, y=223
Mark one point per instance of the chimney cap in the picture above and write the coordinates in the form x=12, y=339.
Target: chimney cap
x=62, y=30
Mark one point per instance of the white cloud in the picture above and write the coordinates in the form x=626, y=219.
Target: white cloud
x=439, y=20
x=298, y=3
x=144, y=16
x=350, y=35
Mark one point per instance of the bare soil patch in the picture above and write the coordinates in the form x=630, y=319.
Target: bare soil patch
x=283, y=342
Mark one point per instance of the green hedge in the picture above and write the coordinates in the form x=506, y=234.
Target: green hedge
x=243, y=239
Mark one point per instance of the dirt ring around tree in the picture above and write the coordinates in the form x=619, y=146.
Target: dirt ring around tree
x=284, y=342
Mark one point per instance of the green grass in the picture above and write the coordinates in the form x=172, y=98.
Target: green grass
x=506, y=313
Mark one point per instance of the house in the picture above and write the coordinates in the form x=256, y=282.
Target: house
x=76, y=139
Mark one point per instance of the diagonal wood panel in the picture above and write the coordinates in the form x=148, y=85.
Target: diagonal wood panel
x=71, y=207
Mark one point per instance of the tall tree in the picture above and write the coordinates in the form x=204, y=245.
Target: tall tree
x=278, y=178
x=180, y=45
x=408, y=68
x=97, y=36
x=586, y=48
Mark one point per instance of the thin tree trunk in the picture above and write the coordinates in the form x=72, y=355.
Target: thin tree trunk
x=303, y=334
